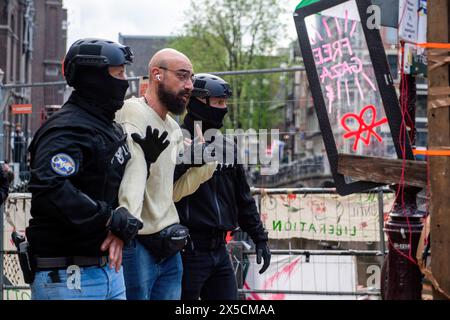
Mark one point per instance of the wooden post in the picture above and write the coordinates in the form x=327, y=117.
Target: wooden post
x=439, y=137
x=383, y=170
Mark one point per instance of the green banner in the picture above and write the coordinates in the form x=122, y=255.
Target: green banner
x=305, y=3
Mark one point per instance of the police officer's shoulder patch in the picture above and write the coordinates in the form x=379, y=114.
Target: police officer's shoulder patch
x=63, y=164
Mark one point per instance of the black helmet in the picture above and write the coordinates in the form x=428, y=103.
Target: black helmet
x=97, y=53
x=210, y=86
x=207, y=86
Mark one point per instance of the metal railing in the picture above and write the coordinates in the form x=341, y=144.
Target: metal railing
x=289, y=174
x=306, y=253
x=380, y=253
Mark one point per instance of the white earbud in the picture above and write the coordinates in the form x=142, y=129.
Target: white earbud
x=158, y=77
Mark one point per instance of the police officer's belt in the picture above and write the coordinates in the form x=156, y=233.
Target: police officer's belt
x=64, y=262
x=206, y=242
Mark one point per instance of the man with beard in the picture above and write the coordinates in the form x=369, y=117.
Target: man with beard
x=152, y=262
x=219, y=205
x=78, y=158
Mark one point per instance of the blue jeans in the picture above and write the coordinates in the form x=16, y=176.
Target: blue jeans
x=145, y=279
x=96, y=283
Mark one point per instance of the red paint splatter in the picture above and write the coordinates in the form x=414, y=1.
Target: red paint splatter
x=287, y=270
x=253, y=296
x=264, y=217
x=364, y=127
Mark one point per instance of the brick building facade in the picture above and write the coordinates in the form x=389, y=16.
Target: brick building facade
x=16, y=49
x=32, y=45
x=50, y=39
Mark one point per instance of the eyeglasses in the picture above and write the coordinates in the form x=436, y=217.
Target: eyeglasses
x=183, y=75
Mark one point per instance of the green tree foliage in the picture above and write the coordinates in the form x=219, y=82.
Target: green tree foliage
x=229, y=35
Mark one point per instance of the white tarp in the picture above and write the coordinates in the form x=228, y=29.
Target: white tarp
x=293, y=273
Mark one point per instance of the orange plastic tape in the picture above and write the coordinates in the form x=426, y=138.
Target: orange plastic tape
x=432, y=153
x=434, y=45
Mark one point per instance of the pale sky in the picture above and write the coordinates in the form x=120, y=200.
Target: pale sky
x=106, y=18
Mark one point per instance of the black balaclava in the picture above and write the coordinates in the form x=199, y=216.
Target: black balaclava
x=105, y=93
x=211, y=118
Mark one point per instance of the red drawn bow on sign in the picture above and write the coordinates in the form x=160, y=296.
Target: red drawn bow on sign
x=364, y=128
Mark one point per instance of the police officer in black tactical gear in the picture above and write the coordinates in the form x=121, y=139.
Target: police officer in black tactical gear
x=219, y=205
x=4, y=183
x=78, y=158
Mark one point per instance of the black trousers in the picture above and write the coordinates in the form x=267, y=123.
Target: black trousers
x=208, y=275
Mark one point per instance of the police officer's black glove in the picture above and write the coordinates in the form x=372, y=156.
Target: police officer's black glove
x=197, y=151
x=263, y=251
x=197, y=154
x=192, y=154
x=152, y=145
x=214, y=151
x=124, y=225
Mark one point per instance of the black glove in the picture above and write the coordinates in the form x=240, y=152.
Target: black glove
x=124, y=225
x=152, y=145
x=193, y=154
x=215, y=151
x=263, y=251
